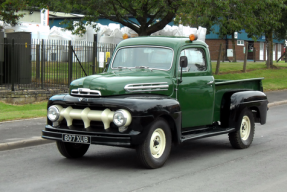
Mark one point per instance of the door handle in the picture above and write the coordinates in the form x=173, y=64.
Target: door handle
x=210, y=82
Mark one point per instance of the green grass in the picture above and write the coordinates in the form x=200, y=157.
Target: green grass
x=274, y=79
x=13, y=112
x=233, y=67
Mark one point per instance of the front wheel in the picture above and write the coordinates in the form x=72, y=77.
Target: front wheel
x=72, y=150
x=155, y=150
x=245, y=128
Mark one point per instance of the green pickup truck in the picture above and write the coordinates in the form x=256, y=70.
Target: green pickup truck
x=155, y=91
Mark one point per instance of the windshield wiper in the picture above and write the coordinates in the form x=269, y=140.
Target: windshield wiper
x=143, y=67
x=121, y=67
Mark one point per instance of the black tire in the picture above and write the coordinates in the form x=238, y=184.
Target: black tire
x=245, y=129
x=72, y=150
x=155, y=150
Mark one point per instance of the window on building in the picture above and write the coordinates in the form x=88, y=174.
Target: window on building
x=240, y=42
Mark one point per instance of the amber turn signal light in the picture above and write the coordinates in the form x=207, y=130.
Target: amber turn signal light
x=192, y=37
x=125, y=36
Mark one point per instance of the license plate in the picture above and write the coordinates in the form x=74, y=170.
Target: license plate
x=76, y=138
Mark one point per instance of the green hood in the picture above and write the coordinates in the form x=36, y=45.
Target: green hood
x=127, y=82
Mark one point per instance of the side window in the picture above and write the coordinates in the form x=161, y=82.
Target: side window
x=195, y=58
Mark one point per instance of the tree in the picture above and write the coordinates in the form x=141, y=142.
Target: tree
x=257, y=17
x=266, y=19
x=151, y=15
x=9, y=9
x=229, y=15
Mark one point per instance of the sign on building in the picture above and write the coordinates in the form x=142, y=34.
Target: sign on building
x=44, y=17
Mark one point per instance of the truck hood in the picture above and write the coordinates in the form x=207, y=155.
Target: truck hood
x=124, y=82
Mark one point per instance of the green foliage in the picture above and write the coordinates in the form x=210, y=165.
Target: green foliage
x=256, y=16
x=151, y=15
x=9, y=9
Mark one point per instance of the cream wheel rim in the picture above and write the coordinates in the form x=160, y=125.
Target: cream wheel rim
x=245, y=128
x=157, y=143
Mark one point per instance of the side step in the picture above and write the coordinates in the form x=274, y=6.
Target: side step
x=208, y=133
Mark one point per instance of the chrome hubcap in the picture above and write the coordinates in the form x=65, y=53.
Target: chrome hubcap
x=157, y=143
x=245, y=128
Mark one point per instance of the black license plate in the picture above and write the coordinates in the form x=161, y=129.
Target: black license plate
x=76, y=138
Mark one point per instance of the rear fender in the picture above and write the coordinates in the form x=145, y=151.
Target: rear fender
x=255, y=101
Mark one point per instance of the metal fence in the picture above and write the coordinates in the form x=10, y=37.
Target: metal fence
x=49, y=64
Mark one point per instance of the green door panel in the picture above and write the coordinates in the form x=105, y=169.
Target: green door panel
x=196, y=99
x=196, y=91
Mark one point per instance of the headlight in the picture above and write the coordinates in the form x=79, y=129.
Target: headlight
x=53, y=113
x=121, y=117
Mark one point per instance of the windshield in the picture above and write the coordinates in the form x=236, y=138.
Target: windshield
x=143, y=57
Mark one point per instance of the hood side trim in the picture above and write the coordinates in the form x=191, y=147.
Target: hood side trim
x=140, y=87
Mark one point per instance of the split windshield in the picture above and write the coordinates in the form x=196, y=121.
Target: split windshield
x=143, y=57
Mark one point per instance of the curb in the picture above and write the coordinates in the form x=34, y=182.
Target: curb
x=276, y=103
x=24, y=143
x=39, y=140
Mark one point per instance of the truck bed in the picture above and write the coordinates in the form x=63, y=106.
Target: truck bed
x=223, y=86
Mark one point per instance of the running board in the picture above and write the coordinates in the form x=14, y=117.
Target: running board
x=209, y=133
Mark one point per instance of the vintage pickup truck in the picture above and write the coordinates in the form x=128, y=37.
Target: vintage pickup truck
x=155, y=92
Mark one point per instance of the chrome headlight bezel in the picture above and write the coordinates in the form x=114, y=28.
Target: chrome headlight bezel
x=56, y=113
x=120, y=118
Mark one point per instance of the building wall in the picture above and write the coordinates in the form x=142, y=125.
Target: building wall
x=214, y=45
x=35, y=17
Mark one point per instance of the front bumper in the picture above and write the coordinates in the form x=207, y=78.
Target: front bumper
x=101, y=138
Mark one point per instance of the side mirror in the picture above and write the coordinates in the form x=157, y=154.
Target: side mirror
x=183, y=61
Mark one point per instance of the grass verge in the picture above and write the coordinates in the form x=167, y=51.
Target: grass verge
x=13, y=112
x=229, y=67
x=274, y=79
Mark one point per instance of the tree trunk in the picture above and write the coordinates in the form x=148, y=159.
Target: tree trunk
x=271, y=48
x=233, y=47
x=268, y=46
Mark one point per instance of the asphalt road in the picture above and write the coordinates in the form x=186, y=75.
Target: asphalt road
x=208, y=164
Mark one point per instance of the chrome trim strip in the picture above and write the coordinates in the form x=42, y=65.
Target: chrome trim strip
x=140, y=87
x=86, y=91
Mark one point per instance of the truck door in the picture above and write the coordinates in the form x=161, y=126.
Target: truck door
x=196, y=91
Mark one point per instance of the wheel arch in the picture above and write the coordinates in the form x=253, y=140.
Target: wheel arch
x=175, y=129
x=234, y=103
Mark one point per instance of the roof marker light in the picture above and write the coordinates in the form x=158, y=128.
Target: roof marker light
x=125, y=36
x=193, y=37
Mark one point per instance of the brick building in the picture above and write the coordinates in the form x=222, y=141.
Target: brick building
x=256, y=49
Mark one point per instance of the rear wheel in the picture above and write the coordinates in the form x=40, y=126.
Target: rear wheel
x=155, y=150
x=245, y=128
x=72, y=150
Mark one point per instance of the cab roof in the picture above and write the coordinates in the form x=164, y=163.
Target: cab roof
x=172, y=42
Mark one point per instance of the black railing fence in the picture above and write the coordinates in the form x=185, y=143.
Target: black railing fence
x=49, y=64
